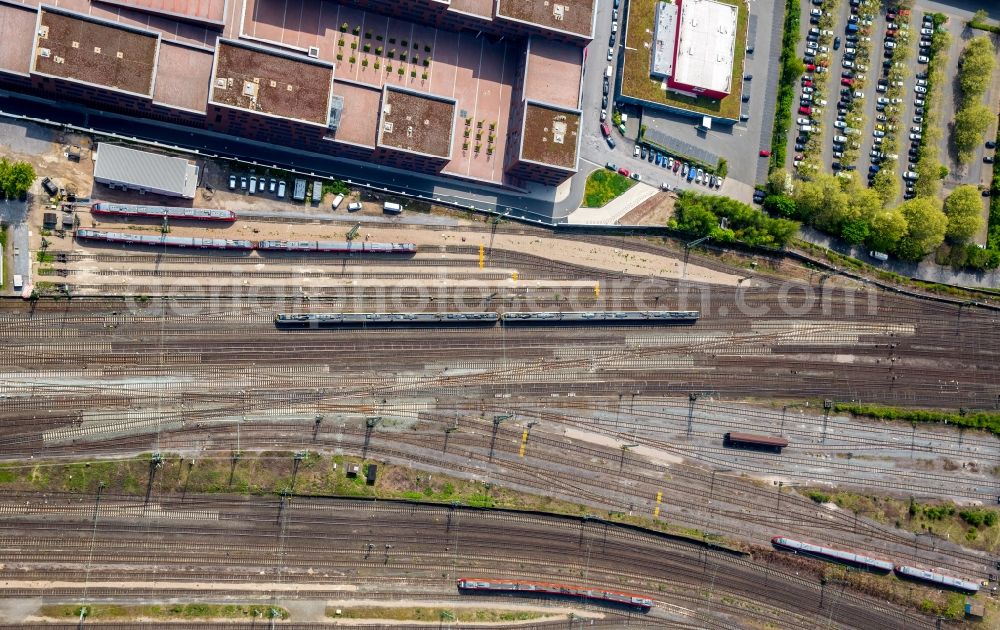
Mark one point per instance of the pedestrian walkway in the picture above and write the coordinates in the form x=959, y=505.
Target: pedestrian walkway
x=615, y=209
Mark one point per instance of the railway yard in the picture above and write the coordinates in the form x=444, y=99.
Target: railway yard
x=204, y=424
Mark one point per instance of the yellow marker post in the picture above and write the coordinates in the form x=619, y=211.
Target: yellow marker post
x=597, y=289
x=482, y=256
x=524, y=442
x=513, y=276
x=659, y=499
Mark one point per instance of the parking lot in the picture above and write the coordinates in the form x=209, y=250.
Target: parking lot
x=864, y=104
x=732, y=143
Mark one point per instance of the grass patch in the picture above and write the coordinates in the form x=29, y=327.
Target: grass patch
x=269, y=473
x=164, y=612
x=430, y=613
x=791, y=70
x=976, y=420
x=636, y=82
x=975, y=528
x=603, y=186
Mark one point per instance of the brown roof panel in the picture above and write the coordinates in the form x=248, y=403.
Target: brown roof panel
x=182, y=77
x=571, y=16
x=84, y=49
x=17, y=25
x=415, y=122
x=550, y=135
x=272, y=82
x=553, y=72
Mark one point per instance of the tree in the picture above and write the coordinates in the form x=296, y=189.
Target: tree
x=964, y=209
x=976, y=69
x=928, y=183
x=781, y=205
x=16, y=178
x=970, y=124
x=887, y=228
x=926, y=225
x=886, y=186
x=822, y=202
x=778, y=182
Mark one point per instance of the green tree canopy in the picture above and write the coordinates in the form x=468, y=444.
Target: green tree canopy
x=970, y=124
x=886, y=185
x=822, y=202
x=928, y=172
x=976, y=68
x=964, y=208
x=926, y=225
x=15, y=177
x=887, y=228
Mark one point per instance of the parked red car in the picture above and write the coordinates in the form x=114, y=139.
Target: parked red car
x=805, y=110
x=624, y=172
x=765, y=153
x=810, y=67
x=605, y=129
x=847, y=82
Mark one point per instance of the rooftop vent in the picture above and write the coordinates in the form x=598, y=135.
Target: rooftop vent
x=120, y=54
x=558, y=12
x=97, y=50
x=43, y=32
x=289, y=87
x=59, y=59
x=250, y=89
x=44, y=53
x=559, y=129
x=314, y=52
x=273, y=83
x=409, y=132
x=387, y=127
x=75, y=44
x=221, y=83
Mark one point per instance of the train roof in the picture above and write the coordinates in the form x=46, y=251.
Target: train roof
x=750, y=438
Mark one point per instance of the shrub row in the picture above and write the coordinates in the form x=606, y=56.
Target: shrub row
x=791, y=70
x=976, y=420
x=702, y=215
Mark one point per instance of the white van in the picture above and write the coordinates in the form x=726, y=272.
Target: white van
x=18, y=282
x=806, y=129
x=910, y=175
x=253, y=185
x=391, y=208
x=840, y=139
x=607, y=73
x=353, y=206
x=281, y=189
x=879, y=256
x=337, y=201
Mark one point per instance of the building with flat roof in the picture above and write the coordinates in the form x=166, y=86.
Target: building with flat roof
x=131, y=169
x=417, y=123
x=685, y=57
x=94, y=52
x=704, y=48
x=272, y=83
x=483, y=90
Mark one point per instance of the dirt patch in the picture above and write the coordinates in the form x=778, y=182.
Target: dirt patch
x=656, y=210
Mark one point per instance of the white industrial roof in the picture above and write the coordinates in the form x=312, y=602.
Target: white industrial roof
x=150, y=171
x=706, y=44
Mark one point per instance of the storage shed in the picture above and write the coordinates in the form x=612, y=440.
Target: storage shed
x=131, y=169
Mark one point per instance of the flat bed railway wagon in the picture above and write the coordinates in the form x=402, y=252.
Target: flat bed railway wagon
x=937, y=579
x=123, y=238
x=754, y=442
x=617, y=598
x=161, y=212
x=835, y=555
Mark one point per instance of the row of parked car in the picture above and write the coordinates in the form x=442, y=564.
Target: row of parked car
x=257, y=185
x=677, y=166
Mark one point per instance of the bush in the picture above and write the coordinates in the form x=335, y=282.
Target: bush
x=700, y=215
x=723, y=168
x=818, y=497
x=979, y=518
x=16, y=178
x=791, y=70
x=976, y=420
x=343, y=27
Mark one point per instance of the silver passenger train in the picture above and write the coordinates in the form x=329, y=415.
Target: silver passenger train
x=159, y=212
x=322, y=320
x=163, y=240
